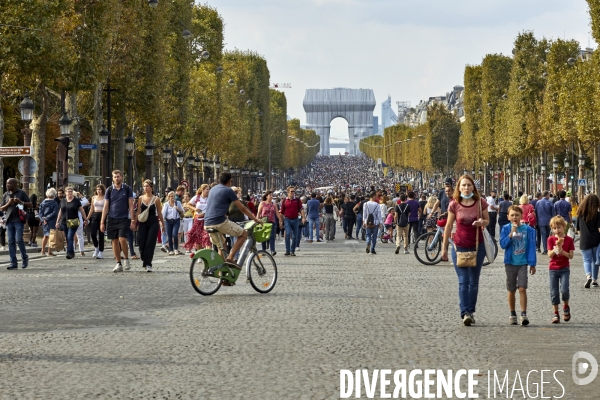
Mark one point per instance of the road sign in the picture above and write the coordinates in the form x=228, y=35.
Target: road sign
x=185, y=183
x=83, y=146
x=32, y=166
x=15, y=151
x=582, y=182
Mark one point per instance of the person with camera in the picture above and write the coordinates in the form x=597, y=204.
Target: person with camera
x=13, y=203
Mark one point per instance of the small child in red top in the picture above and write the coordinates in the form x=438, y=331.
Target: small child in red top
x=560, y=251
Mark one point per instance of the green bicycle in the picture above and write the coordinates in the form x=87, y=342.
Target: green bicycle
x=209, y=270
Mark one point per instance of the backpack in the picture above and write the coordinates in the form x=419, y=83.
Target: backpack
x=531, y=218
x=370, y=220
x=403, y=217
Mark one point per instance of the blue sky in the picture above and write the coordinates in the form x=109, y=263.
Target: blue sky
x=409, y=50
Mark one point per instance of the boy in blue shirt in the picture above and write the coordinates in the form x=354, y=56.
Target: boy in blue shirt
x=518, y=242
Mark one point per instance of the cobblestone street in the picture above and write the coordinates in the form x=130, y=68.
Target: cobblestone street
x=73, y=329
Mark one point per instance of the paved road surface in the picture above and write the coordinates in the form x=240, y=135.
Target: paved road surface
x=74, y=329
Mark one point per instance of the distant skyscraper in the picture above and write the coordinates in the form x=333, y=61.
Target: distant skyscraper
x=375, y=125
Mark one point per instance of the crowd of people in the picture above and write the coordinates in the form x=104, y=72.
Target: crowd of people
x=336, y=197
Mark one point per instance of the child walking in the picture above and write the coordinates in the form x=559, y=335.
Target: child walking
x=560, y=251
x=518, y=240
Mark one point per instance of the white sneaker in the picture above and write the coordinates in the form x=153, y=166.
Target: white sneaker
x=467, y=320
x=127, y=265
x=96, y=251
x=118, y=268
x=171, y=253
x=163, y=248
x=99, y=256
x=148, y=268
x=177, y=252
x=512, y=320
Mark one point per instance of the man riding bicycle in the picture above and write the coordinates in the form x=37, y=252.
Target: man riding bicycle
x=219, y=199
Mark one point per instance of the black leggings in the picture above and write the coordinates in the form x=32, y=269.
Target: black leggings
x=350, y=228
x=95, y=230
x=147, y=234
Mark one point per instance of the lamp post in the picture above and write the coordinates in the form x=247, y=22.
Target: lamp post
x=580, y=188
x=149, y=154
x=180, y=159
x=522, y=178
x=217, y=165
x=190, y=175
x=204, y=168
x=62, y=150
x=509, y=172
x=554, y=166
x=166, y=155
x=26, y=107
x=543, y=173
x=198, y=164
x=103, y=150
x=130, y=146
x=567, y=165
x=528, y=171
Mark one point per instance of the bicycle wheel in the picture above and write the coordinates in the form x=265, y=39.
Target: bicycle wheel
x=202, y=282
x=383, y=240
x=426, y=251
x=263, y=272
x=486, y=262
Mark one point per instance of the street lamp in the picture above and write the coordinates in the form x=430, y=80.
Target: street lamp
x=567, y=165
x=180, y=159
x=26, y=107
x=103, y=150
x=204, y=167
x=190, y=165
x=581, y=162
x=62, y=150
x=153, y=3
x=149, y=154
x=225, y=166
x=130, y=146
x=166, y=159
x=554, y=166
x=197, y=164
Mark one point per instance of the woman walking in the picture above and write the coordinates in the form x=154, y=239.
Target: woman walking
x=330, y=219
x=268, y=209
x=431, y=217
x=70, y=207
x=197, y=238
x=188, y=219
x=94, y=219
x=588, y=227
x=172, y=212
x=148, y=230
x=48, y=214
x=465, y=209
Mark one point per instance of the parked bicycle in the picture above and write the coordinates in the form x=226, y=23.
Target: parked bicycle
x=209, y=270
x=428, y=247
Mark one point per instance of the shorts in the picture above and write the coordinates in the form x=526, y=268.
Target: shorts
x=225, y=228
x=516, y=276
x=117, y=227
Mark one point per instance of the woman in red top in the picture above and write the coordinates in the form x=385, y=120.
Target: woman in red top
x=465, y=211
x=267, y=208
x=528, y=211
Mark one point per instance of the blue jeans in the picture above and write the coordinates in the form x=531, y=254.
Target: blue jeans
x=468, y=280
x=589, y=262
x=559, y=276
x=271, y=240
x=291, y=234
x=173, y=233
x=372, y=237
x=544, y=233
x=15, y=236
x=130, y=241
x=314, y=223
x=71, y=232
x=359, y=223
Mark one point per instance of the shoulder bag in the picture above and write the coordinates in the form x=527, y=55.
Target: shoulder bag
x=143, y=216
x=488, y=242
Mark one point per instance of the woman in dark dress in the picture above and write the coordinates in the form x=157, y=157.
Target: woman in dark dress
x=69, y=208
x=148, y=230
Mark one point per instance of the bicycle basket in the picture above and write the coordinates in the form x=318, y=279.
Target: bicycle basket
x=262, y=233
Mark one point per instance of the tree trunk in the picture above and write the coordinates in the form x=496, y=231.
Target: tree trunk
x=74, y=131
x=38, y=143
x=118, y=141
x=96, y=126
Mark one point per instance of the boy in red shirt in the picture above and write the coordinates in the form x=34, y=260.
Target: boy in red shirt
x=560, y=251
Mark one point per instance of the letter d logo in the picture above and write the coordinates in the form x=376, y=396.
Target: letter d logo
x=580, y=368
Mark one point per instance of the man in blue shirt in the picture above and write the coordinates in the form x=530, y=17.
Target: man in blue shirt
x=219, y=199
x=544, y=211
x=563, y=208
x=313, y=206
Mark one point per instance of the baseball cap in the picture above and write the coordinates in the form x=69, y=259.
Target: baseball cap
x=449, y=181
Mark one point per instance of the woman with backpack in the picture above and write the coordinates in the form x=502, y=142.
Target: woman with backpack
x=401, y=214
x=528, y=211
